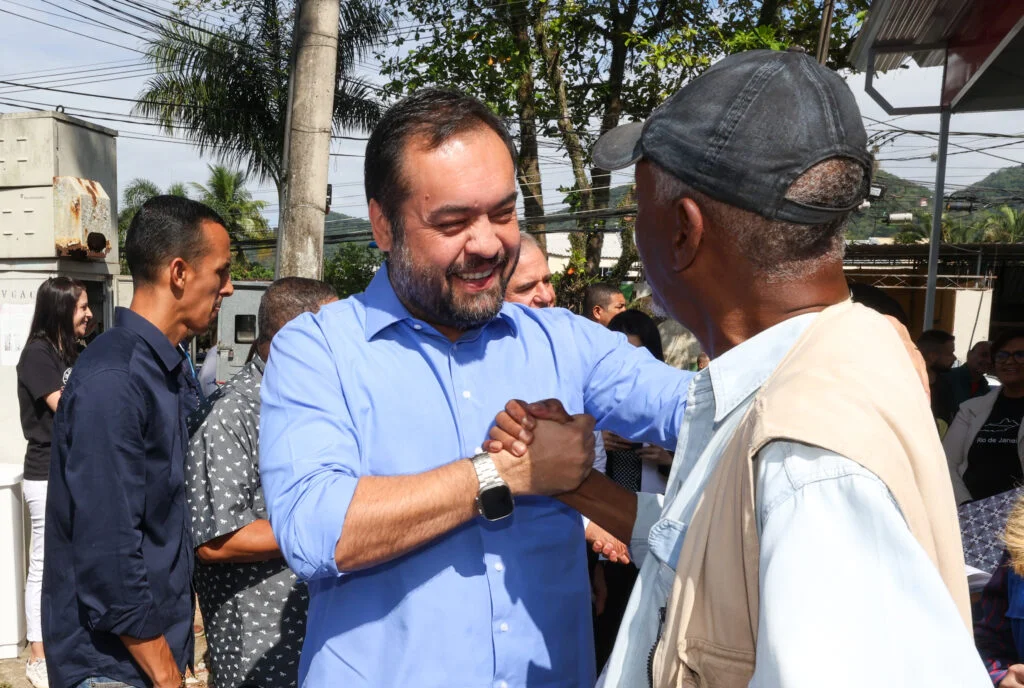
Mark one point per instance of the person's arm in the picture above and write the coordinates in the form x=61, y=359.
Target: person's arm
x=328, y=514
x=955, y=445
x=628, y=516
x=41, y=373
x=156, y=660
x=106, y=479
x=625, y=388
x=222, y=478
x=254, y=542
x=845, y=591
x=51, y=400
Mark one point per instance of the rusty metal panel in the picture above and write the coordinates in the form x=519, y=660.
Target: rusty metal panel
x=82, y=218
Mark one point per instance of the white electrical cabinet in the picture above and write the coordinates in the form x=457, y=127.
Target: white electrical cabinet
x=58, y=184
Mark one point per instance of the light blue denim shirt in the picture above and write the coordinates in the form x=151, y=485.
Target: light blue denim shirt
x=363, y=388
x=846, y=592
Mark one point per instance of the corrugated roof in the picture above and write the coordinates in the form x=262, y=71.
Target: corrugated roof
x=914, y=22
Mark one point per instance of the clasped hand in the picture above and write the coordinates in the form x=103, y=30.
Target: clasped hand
x=524, y=429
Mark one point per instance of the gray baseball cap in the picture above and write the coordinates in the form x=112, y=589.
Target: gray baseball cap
x=745, y=130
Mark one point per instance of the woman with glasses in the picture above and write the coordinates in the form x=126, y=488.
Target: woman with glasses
x=983, y=445
x=61, y=320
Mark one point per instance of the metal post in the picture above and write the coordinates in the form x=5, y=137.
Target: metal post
x=936, y=238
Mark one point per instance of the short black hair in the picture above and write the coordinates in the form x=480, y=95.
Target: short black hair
x=931, y=340
x=639, y=324
x=288, y=298
x=599, y=294
x=432, y=113
x=1005, y=337
x=876, y=299
x=164, y=228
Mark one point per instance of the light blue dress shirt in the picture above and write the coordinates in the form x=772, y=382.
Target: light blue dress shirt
x=847, y=596
x=363, y=388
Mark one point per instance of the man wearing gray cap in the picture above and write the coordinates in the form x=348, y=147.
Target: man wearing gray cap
x=808, y=535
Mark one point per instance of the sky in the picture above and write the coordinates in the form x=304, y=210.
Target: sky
x=43, y=55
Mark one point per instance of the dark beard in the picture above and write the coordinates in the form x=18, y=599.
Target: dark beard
x=428, y=294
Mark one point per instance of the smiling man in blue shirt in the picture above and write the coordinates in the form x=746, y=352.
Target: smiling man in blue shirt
x=117, y=577
x=421, y=570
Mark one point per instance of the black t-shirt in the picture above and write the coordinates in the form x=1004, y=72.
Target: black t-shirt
x=993, y=462
x=41, y=372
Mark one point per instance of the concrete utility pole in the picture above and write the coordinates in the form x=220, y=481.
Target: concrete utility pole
x=825, y=34
x=300, y=234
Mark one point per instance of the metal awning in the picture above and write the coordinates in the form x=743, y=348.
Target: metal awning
x=979, y=44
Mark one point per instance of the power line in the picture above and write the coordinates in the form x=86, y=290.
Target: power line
x=77, y=33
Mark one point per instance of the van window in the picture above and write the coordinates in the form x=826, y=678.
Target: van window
x=245, y=329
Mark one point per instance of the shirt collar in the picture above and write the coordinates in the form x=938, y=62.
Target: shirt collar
x=384, y=308
x=168, y=354
x=741, y=370
x=258, y=363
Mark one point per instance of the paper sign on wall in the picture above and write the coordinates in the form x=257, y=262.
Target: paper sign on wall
x=15, y=322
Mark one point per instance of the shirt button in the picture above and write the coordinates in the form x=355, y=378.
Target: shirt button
x=503, y=627
x=417, y=327
x=466, y=394
x=501, y=684
x=499, y=567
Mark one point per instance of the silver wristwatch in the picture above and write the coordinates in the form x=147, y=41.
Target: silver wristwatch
x=494, y=498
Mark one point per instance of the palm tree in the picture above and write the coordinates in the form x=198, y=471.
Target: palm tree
x=138, y=191
x=135, y=194
x=1006, y=226
x=225, y=192
x=226, y=88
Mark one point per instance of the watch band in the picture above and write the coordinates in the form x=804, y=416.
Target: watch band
x=486, y=472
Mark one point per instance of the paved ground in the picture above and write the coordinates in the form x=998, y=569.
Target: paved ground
x=12, y=671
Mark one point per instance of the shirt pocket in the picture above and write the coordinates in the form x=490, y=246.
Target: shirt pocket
x=665, y=541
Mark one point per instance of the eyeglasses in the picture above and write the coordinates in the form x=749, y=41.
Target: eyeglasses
x=1004, y=356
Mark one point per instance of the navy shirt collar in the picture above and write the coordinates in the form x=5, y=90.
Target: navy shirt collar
x=168, y=354
x=384, y=308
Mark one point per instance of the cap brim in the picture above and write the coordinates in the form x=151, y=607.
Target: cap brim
x=619, y=147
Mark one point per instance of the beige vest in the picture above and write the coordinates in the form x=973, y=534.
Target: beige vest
x=847, y=386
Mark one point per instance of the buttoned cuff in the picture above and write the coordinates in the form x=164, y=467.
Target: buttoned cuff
x=648, y=511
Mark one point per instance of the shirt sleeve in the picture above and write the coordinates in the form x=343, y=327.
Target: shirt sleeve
x=40, y=371
x=626, y=389
x=836, y=554
x=106, y=479
x=309, y=453
x=221, y=473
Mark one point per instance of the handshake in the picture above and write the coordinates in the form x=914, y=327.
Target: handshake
x=539, y=449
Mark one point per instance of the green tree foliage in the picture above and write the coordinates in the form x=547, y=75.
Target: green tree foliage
x=1006, y=226
x=225, y=88
x=134, y=195
x=351, y=268
x=570, y=70
x=225, y=192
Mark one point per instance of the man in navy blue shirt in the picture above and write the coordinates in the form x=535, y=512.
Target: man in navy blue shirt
x=117, y=579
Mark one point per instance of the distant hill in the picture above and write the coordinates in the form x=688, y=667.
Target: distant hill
x=901, y=196
x=1005, y=186
x=338, y=226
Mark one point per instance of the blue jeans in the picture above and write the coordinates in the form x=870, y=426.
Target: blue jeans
x=102, y=682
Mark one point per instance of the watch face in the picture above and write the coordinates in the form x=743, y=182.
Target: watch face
x=496, y=503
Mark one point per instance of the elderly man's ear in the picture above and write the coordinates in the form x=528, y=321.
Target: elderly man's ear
x=687, y=233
